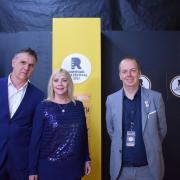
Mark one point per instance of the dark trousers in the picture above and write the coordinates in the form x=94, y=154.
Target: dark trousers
x=8, y=171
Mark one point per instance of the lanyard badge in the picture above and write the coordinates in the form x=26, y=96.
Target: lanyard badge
x=130, y=137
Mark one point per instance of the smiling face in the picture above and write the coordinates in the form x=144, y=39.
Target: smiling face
x=60, y=85
x=129, y=73
x=23, y=65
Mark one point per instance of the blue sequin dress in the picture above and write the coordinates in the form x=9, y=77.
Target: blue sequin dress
x=59, y=143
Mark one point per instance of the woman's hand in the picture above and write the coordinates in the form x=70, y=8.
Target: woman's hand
x=33, y=177
x=87, y=168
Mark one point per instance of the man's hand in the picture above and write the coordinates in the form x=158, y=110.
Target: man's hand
x=33, y=177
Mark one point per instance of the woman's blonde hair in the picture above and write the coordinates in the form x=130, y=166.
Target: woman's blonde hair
x=50, y=95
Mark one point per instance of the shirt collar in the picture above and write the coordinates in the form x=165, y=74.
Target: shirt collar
x=11, y=84
x=138, y=93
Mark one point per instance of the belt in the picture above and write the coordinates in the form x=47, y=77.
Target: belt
x=129, y=164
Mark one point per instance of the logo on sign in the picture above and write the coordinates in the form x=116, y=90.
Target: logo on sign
x=145, y=82
x=78, y=66
x=175, y=86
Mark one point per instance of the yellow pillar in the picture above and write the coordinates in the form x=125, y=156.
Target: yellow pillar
x=77, y=48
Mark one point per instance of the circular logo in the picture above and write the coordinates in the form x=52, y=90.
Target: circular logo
x=145, y=82
x=78, y=66
x=175, y=86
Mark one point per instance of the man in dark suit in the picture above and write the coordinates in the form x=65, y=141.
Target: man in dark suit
x=136, y=124
x=18, y=101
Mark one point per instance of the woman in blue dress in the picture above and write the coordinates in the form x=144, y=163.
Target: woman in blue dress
x=59, y=143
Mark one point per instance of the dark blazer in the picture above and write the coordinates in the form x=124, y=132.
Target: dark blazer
x=15, y=132
x=154, y=129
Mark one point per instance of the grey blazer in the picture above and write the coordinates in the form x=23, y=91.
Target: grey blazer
x=154, y=129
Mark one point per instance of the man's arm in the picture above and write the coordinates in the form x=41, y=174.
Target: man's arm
x=109, y=123
x=161, y=118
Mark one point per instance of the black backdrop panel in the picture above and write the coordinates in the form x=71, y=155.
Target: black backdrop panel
x=158, y=53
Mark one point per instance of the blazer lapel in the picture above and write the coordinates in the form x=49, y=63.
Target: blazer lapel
x=25, y=100
x=145, y=103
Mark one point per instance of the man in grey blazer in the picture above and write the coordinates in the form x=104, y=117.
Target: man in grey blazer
x=136, y=124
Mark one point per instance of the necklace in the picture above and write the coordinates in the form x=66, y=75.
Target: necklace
x=63, y=107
